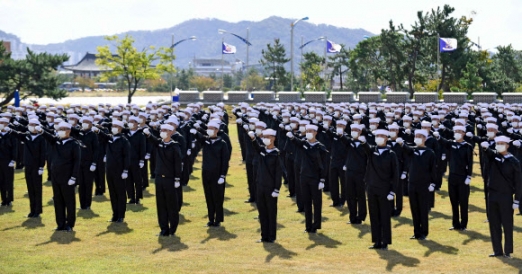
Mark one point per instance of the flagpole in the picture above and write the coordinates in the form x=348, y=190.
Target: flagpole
x=325, y=61
x=438, y=60
x=248, y=39
x=222, y=72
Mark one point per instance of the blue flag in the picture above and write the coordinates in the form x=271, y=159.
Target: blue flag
x=228, y=49
x=17, y=99
x=447, y=44
x=332, y=47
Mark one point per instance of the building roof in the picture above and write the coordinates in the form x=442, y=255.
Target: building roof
x=88, y=63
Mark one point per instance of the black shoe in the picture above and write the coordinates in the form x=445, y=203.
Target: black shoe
x=355, y=222
x=300, y=210
x=507, y=255
x=454, y=228
x=131, y=202
x=335, y=205
x=216, y=224
x=384, y=247
x=36, y=215
x=209, y=224
x=59, y=228
x=163, y=233
x=120, y=220
x=68, y=229
x=250, y=201
x=495, y=255
x=376, y=246
x=30, y=215
x=313, y=230
x=138, y=202
x=422, y=238
x=463, y=229
x=114, y=219
x=413, y=237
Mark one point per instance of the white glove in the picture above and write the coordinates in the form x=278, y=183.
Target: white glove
x=510, y=130
x=468, y=180
x=124, y=175
x=193, y=131
x=204, y=117
x=443, y=157
x=275, y=193
x=274, y=117
x=221, y=181
x=142, y=163
x=400, y=141
x=38, y=128
x=281, y=126
x=484, y=144
x=469, y=134
x=189, y=152
x=72, y=181
x=501, y=116
x=344, y=168
x=516, y=143
x=93, y=167
x=11, y=164
x=436, y=134
x=176, y=184
x=362, y=139
x=146, y=131
x=196, y=125
x=321, y=186
x=95, y=129
x=193, y=145
x=289, y=135
x=403, y=175
x=40, y=171
x=288, y=128
x=479, y=126
x=431, y=188
x=104, y=159
x=390, y=196
x=442, y=127
x=245, y=127
x=504, y=124
x=251, y=134
x=147, y=156
x=239, y=121
x=515, y=205
x=314, y=121
x=407, y=131
x=16, y=123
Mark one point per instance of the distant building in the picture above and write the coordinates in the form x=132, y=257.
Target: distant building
x=7, y=45
x=87, y=67
x=207, y=66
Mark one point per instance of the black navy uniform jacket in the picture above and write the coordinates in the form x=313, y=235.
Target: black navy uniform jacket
x=168, y=158
x=8, y=147
x=382, y=173
x=356, y=160
x=215, y=155
x=313, y=160
x=270, y=167
x=35, y=149
x=117, y=151
x=505, y=178
x=422, y=169
x=66, y=157
x=90, y=150
x=461, y=160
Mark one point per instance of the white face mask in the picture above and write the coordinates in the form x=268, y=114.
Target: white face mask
x=86, y=126
x=259, y=131
x=380, y=141
x=415, y=118
x=373, y=127
x=125, y=117
x=2, y=126
x=354, y=134
x=435, y=123
x=500, y=148
x=326, y=123
x=62, y=134
x=397, y=116
x=372, y=115
x=361, y=111
x=514, y=124
x=49, y=120
x=285, y=120
x=210, y=132
x=336, y=114
x=311, y=115
x=274, y=113
x=141, y=120
x=319, y=118
x=131, y=125
x=115, y=130
x=458, y=136
x=418, y=141
x=152, y=117
x=406, y=124
x=356, y=122
x=73, y=122
x=252, y=127
x=266, y=141
x=389, y=120
x=491, y=134
x=302, y=129
x=31, y=128
x=393, y=134
x=164, y=135
x=309, y=136
x=340, y=130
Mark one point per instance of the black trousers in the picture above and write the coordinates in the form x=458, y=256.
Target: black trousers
x=117, y=194
x=397, y=203
x=312, y=202
x=486, y=196
x=327, y=179
x=380, y=217
x=267, y=207
x=152, y=166
x=442, y=166
x=144, y=172
x=85, y=185
x=459, y=198
x=64, y=200
x=34, y=188
x=48, y=163
x=419, y=206
x=214, y=196
x=501, y=218
x=298, y=194
x=290, y=174
x=337, y=185
x=134, y=183
x=99, y=177
x=179, y=190
x=251, y=180
x=6, y=182
x=356, y=194
x=185, y=174
x=167, y=205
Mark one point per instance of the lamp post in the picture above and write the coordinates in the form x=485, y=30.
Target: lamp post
x=172, y=45
x=292, y=51
x=246, y=41
x=321, y=38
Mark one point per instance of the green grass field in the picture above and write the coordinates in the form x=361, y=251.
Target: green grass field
x=96, y=246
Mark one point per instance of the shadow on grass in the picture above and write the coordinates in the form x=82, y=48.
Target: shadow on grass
x=6, y=210
x=100, y=199
x=437, y=215
x=147, y=194
x=395, y=258
x=227, y=212
x=172, y=244
x=514, y=262
x=474, y=208
x=32, y=223
x=218, y=233
x=116, y=228
x=363, y=229
x=136, y=208
x=474, y=236
x=87, y=214
x=277, y=250
x=61, y=237
x=188, y=188
x=279, y=226
x=192, y=177
x=401, y=220
x=436, y=247
x=323, y=219
x=320, y=239
x=47, y=183
x=443, y=194
x=183, y=220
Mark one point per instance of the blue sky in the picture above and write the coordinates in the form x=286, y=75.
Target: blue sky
x=50, y=21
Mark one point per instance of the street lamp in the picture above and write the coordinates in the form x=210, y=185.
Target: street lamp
x=172, y=45
x=292, y=51
x=321, y=38
x=248, y=44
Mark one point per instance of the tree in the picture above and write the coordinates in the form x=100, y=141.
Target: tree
x=133, y=65
x=183, y=79
x=84, y=82
x=394, y=57
x=227, y=81
x=202, y=83
x=274, y=58
x=470, y=81
x=253, y=81
x=311, y=70
x=33, y=76
x=340, y=64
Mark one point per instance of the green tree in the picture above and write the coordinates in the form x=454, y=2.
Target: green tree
x=470, y=81
x=273, y=59
x=33, y=76
x=394, y=57
x=253, y=81
x=183, y=79
x=202, y=83
x=339, y=63
x=84, y=82
x=311, y=69
x=133, y=65
x=227, y=81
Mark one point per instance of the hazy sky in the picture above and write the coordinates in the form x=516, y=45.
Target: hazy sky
x=49, y=21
